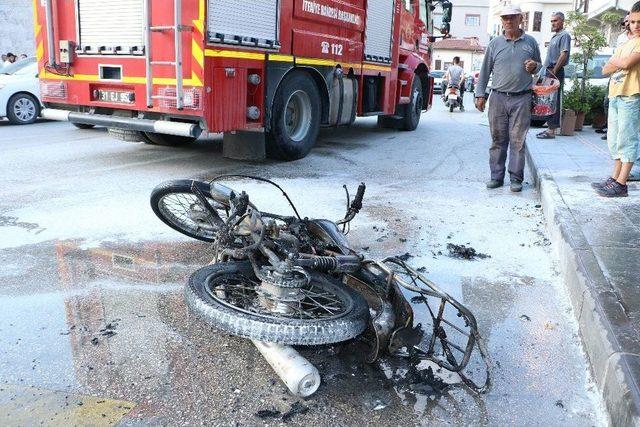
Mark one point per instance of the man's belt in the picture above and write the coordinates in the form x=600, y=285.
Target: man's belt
x=524, y=92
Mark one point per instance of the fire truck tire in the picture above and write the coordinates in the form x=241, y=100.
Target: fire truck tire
x=167, y=140
x=83, y=125
x=23, y=109
x=125, y=135
x=295, y=118
x=411, y=112
x=407, y=116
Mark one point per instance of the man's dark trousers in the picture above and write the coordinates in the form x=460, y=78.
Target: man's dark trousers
x=554, y=120
x=509, y=121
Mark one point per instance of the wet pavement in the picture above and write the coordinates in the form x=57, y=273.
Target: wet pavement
x=94, y=325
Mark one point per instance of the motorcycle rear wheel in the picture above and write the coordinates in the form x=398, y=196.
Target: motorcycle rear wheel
x=175, y=203
x=224, y=296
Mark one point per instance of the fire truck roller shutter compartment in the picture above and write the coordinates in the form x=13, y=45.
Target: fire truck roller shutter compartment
x=244, y=23
x=111, y=27
x=377, y=45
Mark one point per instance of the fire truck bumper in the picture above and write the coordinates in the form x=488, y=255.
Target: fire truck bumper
x=143, y=125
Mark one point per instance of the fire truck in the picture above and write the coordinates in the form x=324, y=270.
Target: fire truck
x=265, y=73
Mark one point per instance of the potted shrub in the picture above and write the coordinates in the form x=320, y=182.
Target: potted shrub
x=571, y=102
x=589, y=40
x=597, y=116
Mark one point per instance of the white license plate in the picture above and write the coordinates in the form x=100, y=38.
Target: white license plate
x=452, y=96
x=117, y=96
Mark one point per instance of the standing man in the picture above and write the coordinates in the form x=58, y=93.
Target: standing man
x=557, y=57
x=455, y=76
x=512, y=58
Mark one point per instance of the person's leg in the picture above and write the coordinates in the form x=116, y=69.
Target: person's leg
x=462, y=90
x=617, y=167
x=519, y=122
x=628, y=128
x=554, y=120
x=613, y=135
x=499, y=127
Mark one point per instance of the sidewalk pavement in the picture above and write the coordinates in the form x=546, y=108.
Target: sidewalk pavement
x=598, y=241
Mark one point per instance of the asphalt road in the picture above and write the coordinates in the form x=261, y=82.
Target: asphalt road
x=93, y=328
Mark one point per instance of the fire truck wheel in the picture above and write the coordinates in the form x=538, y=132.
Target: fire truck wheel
x=125, y=134
x=83, y=125
x=23, y=109
x=295, y=121
x=407, y=116
x=162, y=139
x=411, y=112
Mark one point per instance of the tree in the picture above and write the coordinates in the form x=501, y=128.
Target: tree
x=589, y=39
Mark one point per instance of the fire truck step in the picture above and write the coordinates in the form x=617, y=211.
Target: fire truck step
x=162, y=63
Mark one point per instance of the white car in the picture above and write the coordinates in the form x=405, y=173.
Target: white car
x=438, y=76
x=20, y=92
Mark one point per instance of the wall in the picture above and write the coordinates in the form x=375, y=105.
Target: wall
x=472, y=60
x=16, y=27
x=460, y=30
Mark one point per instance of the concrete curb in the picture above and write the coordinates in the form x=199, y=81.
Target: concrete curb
x=602, y=321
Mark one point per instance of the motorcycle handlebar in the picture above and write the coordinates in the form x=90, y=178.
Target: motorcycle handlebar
x=356, y=205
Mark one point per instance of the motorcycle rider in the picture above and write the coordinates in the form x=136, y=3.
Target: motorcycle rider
x=455, y=77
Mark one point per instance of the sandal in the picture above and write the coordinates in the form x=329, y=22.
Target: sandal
x=545, y=135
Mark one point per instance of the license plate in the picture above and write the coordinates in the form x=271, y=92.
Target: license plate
x=453, y=96
x=117, y=96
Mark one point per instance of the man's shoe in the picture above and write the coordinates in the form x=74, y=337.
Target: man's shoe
x=516, y=186
x=634, y=175
x=615, y=189
x=495, y=183
x=602, y=184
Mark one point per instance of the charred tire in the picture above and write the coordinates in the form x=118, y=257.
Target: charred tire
x=23, y=109
x=83, y=125
x=412, y=111
x=166, y=140
x=180, y=187
x=295, y=118
x=283, y=330
x=125, y=134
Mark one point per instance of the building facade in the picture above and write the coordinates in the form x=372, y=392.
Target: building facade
x=469, y=36
x=469, y=50
x=537, y=18
x=595, y=9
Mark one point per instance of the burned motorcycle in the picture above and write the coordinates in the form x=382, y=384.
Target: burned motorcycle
x=286, y=280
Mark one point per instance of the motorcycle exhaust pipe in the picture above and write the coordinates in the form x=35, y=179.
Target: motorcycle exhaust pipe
x=297, y=373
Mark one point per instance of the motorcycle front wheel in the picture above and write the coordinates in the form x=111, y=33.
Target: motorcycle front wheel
x=224, y=295
x=175, y=203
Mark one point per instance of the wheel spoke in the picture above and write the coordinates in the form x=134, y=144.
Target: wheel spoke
x=240, y=292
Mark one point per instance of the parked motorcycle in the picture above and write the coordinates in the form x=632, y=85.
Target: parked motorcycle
x=292, y=280
x=453, y=97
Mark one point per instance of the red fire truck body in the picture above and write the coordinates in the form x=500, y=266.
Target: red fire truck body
x=167, y=70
